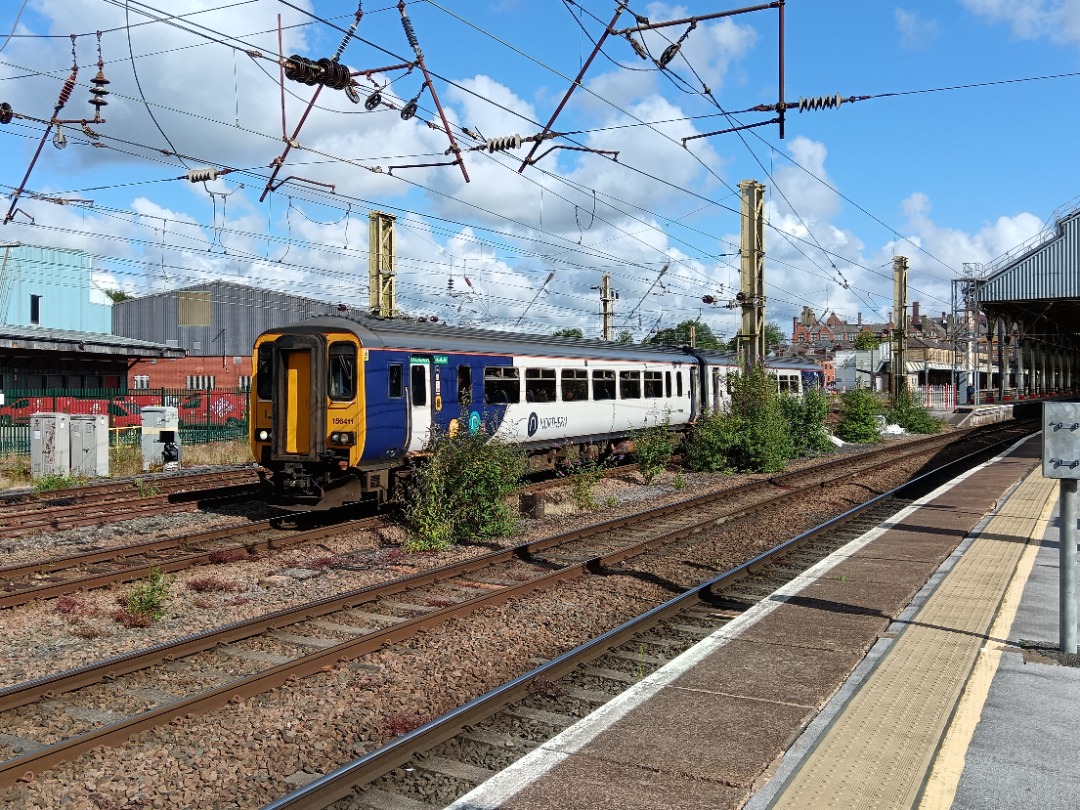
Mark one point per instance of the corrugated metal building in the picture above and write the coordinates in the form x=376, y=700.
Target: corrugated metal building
x=1032, y=301
x=216, y=319
x=215, y=323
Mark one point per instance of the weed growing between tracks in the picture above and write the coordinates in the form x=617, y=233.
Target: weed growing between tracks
x=145, y=603
x=653, y=448
x=460, y=491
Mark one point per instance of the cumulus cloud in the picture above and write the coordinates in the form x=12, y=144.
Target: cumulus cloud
x=1057, y=20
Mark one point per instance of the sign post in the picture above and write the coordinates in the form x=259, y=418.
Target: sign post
x=1061, y=459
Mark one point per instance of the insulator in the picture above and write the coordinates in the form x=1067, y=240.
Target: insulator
x=373, y=101
x=669, y=53
x=65, y=92
x=639, y=49
x=820, y=102
x=6, y=113
x=97, y=97
x=503, y=143
x=301, y=69
x=100, y=79
x=708, y=299
x=333, y=75
x=410, y=34
x=434, y=318
x=409, y=110
x=202, y=175
x=59, y=138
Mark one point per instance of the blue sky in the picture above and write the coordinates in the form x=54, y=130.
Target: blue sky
x=945, y=177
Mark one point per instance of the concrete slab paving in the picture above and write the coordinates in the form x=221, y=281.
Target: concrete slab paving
x=703, y=735
x=772, y=672
x=820, y=627
x=583, y=782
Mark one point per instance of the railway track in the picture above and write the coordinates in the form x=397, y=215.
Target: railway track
x=142, y=497
x=441, y=761
x=50, y=719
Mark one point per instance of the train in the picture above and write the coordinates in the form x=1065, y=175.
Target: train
x=342, y=406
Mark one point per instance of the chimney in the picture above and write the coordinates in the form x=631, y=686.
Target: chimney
x=860, y=319
x=915, y=313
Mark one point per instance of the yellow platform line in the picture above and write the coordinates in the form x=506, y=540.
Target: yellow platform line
x=878, y=750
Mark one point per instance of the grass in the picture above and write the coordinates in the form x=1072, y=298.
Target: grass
x=125, y=461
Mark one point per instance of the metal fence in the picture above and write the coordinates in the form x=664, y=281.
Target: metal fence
x=208, y=415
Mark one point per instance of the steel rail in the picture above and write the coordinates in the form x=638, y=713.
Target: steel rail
x=342, y=782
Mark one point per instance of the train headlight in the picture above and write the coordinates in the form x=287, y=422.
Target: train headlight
x=263, y=434
x=346, y=437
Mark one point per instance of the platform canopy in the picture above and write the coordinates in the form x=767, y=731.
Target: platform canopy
x=1036, y=286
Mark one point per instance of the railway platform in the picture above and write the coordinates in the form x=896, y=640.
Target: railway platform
x=914, y=668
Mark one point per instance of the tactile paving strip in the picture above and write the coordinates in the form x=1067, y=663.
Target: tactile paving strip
x=878, y=750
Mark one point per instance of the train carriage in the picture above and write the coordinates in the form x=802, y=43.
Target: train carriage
x=339, y=405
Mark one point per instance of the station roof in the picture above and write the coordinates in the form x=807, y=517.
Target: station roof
x=36, y=338
x=1037, y=284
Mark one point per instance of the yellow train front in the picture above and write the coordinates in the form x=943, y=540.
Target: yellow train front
x=308, y=424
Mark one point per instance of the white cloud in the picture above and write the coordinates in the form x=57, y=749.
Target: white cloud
x=1057, y=20
x=915, y=32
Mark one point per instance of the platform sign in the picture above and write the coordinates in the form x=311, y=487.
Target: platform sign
x=1061, y=459
x=1061, y=440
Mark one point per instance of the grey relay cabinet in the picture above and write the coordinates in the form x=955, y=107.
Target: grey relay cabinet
x=89, y=444
x=50, y=451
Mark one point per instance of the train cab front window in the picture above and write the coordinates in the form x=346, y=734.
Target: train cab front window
x=264, y=372
x=342, y=371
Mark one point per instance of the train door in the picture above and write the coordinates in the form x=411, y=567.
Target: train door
x=424, y=394
x=299, y=412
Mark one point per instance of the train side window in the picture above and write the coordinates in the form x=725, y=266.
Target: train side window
x=464, y=384
x=667, y=384
x=396, y=381
x=575, y=384
x=502, y=384
x=539, y=385
x=603, y=384
x=629, y=385
x=419, y=385
x=678, y=383
x=264, y=372
x=342, y=371
x=654, y=384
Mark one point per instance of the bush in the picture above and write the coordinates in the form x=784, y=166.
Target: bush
x=805, y=417
x=653, y=448
x=583, y=474
x=912, y=416
x=858, y=409
x=147, y=600
x=752, y=436
x=459, y=492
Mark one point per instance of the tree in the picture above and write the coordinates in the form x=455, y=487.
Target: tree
x=625, y=336
x=116, y=296
x=680, y=336
x=866, y=340
x=774, y=337
x=568, y=332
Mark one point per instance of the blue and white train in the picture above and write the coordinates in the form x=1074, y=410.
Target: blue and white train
x=340, y=406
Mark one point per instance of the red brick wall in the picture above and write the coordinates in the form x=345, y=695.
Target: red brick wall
x=166, y=373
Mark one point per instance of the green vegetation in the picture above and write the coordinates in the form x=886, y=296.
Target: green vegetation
x=774, y=337
x=751, y=436
x=653, y=448
x=680, y=336
x=459, y=492
x=912, y=416
x=568, y=332
x=48, y=483
x=859, y=408
x=583, y=475
x=866, y=340
x=625, y=336
x=805, y=417
x=145, y=603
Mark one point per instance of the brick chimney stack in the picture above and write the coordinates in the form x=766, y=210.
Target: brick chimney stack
x=915, y=313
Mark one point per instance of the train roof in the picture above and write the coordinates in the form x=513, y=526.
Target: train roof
x=440, y=338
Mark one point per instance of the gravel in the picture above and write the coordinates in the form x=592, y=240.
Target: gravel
x=248, y=754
